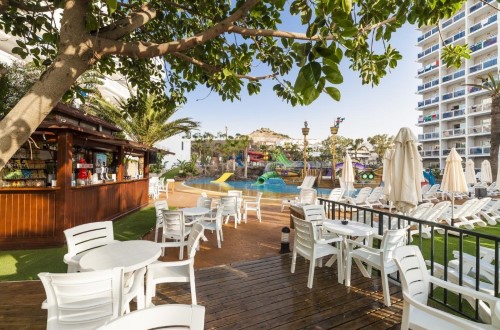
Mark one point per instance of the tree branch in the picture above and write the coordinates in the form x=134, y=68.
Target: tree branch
x=145, y=50
x=213, y=69
x=377, y=25
x=128, y=24
x=273, y=33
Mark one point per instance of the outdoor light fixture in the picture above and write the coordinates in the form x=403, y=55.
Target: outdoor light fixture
x=334, y=130
x=305, y=131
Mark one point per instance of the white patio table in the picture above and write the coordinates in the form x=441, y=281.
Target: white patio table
x=195, y=213
x=352, y=229
x=131, y=255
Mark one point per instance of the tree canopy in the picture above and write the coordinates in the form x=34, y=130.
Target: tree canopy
x=170, y=47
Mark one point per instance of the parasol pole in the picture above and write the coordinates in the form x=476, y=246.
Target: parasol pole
x=452, y=207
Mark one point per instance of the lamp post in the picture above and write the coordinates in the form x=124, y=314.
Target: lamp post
x=334, y=130
x=305, y=131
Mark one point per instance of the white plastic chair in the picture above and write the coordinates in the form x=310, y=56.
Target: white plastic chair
x=415, y=281
x=431, y=194
x=471, y=216
x=134, y=289
x=336, y=194
x=252, y=205
x=491, y=212
x=380, y=259
x=159, y=206
x=361, y=197
x=308, y=182
x=307, y=196
x=214, y=224
x=82, y=300
x=159, y=317
x=431, y=214
x=312, y=248
x=83, y=238
x=458, y=211
x=175, y=271
x=175, y=229
x=229, y=205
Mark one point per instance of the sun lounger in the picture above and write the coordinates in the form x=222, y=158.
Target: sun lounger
x=491, y=212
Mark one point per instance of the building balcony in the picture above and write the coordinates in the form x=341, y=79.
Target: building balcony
x=428, y=69
x=453, y=20
x=483, y=24
x=453, y=76
x=483, y=65
x=480, y=129
x=453, y=95
x=428, y=85
x=454, y=38
x=479, y=151
x=428, y=51
x=456, y=132
x=427, y=35
x=446, y=152
x=428, y=136
x=478, y=5
x=428, y=102
x=429, y=153
x=480, y=108
x=453, y=114
x=475, y=49
x=428, y=119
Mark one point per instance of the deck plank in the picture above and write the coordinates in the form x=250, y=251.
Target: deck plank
x=257, y=294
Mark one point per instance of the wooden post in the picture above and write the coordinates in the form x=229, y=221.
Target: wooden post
x=64, y=170
x=120, y=168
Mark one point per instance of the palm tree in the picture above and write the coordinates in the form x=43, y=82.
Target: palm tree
x=493, y=87
x=357, y=145
x=143, y=121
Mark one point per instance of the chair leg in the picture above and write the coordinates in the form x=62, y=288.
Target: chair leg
x=348, y=270
x=385, y=288
x=405, y=321
x=259, y=216
x=294, y=259
x=310, y=278
x=218, y=238
x=192, y=285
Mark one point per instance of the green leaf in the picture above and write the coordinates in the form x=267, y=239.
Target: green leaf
x=347, y=6
x=324, y=52
x=309, y=95
x=333, y=74
x=308, y=77
x=112, y=5
x=333, y=92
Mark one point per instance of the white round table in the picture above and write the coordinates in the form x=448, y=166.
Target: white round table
x=194, y=211
x=131, y=255
x=351, y=229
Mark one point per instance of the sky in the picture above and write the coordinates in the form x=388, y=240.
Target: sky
x=383, y=109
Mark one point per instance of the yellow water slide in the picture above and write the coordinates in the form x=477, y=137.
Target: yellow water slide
x=223, y=177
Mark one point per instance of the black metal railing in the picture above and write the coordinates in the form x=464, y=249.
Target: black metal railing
x=438, y=250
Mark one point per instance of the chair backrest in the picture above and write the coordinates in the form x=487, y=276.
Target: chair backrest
x=194, y=239
x=307, y=196
x=159, y=317
x=436, y=211
x=314, y=213
x=420, y=210
x=305, y=236
x=425, y=188
x=88, y=236
x=258, y=197
x=308, y=182
x=173, y=223
x=462, y=210
x=82, y=300
x=375, y=194
x=336, y=194
x=390, y=241
x=237, y=193
x=433, y=189
x=476, y=207
x=159, y=206
x=413, y=272
x=492, y=206
x=228, y=205
x=363, y=194
x=205, y=202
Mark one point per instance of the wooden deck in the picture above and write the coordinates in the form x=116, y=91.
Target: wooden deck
x=258, y=294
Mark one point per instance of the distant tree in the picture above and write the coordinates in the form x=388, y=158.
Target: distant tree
x=357, y=145
x=204, y=146
x=380, y=143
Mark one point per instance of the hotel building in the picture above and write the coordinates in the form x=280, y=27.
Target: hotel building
x=453, y=114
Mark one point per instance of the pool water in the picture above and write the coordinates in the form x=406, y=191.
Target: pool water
x=273, y=188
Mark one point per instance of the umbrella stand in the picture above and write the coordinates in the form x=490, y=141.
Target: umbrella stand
x=452, y=208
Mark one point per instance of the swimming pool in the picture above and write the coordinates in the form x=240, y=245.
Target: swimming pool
x=275, y=188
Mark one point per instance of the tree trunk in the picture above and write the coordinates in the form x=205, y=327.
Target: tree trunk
x=32, y=109
x=495, y=135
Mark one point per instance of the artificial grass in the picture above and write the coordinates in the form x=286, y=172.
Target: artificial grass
x=19, y=265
